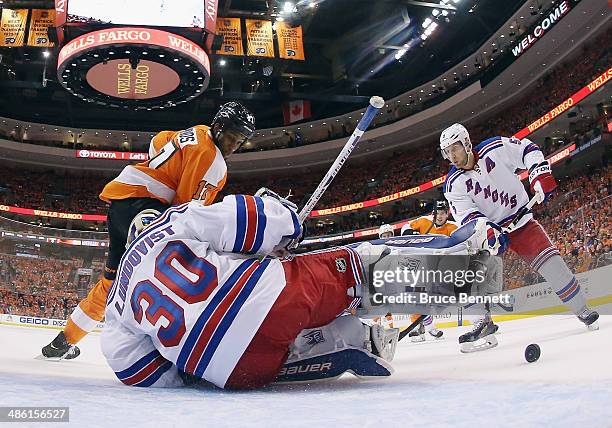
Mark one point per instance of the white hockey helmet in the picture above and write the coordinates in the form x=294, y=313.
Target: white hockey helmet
x=385, y=229
x=453, y=134
x=139, y=223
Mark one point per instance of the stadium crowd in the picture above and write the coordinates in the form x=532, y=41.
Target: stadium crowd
x=37, y=287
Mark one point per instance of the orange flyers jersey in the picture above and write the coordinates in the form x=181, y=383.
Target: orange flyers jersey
x=423, y=225
x=182, y=166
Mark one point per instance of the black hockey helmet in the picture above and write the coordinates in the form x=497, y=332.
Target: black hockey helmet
x=235, y=116
x=440, y=205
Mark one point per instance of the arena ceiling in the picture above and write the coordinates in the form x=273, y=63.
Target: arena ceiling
x=351, y=46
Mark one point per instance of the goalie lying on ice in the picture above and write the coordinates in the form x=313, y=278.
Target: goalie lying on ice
x=195, y=299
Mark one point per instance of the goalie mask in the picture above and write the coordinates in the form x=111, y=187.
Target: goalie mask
x=140, y=222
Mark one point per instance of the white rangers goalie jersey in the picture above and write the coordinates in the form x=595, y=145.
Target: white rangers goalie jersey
x=189, y=293
x=492, y=189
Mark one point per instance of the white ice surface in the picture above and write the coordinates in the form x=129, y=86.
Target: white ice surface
x=435, y=385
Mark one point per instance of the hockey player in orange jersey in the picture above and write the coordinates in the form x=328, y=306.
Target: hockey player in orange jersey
x=182, y=166
x=438, y=225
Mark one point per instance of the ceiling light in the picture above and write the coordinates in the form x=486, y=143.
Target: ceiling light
x=427, y=22
x=288, y=7
x=400, y=53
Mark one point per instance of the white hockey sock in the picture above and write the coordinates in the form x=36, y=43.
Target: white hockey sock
x=563, y=281
x=474, y=318
x=428, y=323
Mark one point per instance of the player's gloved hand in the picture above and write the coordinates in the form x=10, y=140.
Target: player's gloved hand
x=287, y=244
x=541, y=181
x=497, y=240
x=264, y=192
x=490, y=237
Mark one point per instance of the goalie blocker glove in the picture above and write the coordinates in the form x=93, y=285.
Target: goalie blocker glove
x=288, y=243
x=541, y=181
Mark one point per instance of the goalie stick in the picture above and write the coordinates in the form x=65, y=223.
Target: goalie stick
x=376, y=103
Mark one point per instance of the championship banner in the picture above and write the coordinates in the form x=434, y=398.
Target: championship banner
x=12, y=27
x=259, y=38
x=41, y=20
x=290, y=41
x=231, y=31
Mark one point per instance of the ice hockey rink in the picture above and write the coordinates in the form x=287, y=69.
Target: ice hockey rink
x=433, y=384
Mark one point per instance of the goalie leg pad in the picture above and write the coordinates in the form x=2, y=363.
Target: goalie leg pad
x=360, y=362
x=345, y=344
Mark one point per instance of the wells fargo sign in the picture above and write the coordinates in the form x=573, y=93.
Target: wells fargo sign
x=119, y=79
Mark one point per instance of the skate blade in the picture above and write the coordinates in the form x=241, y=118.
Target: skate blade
x=41, y=357
x=482, y=344
x=593, y=327
x=417, y=339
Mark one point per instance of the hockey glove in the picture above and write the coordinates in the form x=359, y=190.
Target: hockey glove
x=264, y=192
x=283, y=249
x=541, y=181
x=497, y=240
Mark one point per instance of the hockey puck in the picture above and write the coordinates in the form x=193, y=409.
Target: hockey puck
x=532, y=353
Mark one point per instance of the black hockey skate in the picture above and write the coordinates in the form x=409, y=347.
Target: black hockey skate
x=435, y=333
x=589, y=317
x=60, y=349
x=481, y=337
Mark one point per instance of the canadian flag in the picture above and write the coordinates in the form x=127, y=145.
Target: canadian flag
x=297, y=110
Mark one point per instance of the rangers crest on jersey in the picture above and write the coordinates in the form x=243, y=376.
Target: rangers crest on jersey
x=341, y=265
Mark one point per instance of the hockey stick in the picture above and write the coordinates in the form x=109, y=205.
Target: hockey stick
x=520, y=214
x=411, y=327
x=376, y=103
